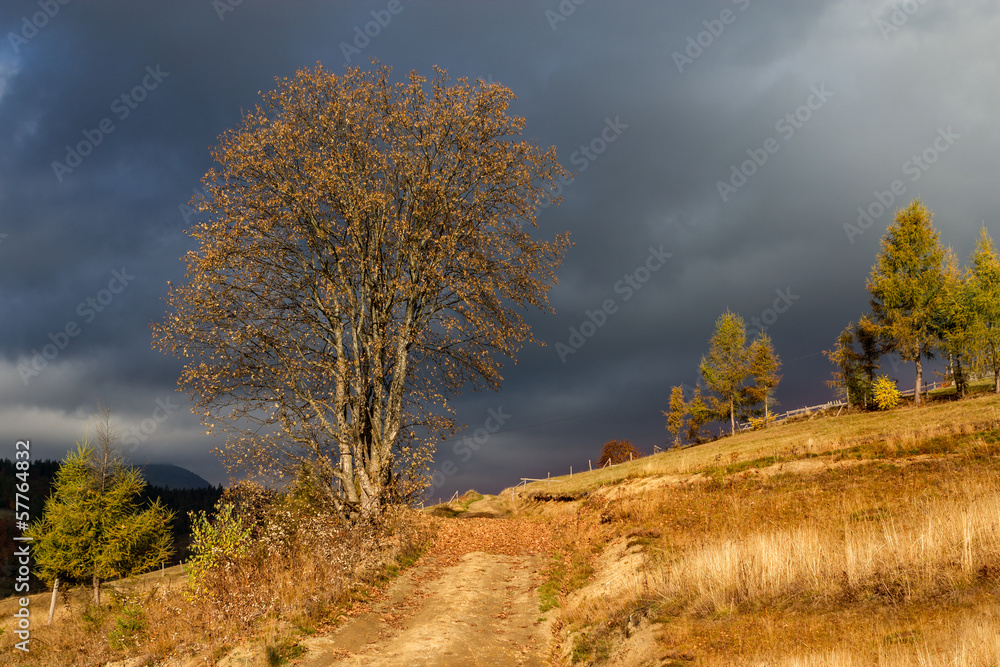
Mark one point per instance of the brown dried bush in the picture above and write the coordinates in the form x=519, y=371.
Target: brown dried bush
x=618, y=451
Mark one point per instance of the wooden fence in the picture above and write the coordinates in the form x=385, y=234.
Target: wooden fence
x=741, y=426
x=840, y=403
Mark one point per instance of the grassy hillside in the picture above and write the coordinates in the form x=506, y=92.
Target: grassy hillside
x=870, y=538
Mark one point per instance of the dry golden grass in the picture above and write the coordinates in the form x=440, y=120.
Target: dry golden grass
x=892, y=560
x=967, y=641
x=820, y=434
x=938, y=547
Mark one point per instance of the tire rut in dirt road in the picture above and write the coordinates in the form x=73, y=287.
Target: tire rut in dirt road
x=470, y=600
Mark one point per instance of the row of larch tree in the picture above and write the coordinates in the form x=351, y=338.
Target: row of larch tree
x=740, y=381
x=922, y=304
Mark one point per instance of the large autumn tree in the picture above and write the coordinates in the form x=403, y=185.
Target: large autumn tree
x=364, y=254
x=906, y=285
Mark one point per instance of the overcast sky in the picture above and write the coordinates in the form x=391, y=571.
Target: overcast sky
x=719, y=149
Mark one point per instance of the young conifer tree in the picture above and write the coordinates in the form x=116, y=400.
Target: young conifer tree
x=906, y=284
x=984, y=285
x=956, y=321
x=763, y=366
x=93, y=528
x=677, y=414
x=726, y=366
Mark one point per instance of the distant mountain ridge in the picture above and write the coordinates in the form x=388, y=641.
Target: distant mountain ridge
x=170, y=476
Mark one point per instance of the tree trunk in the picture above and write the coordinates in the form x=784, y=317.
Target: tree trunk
x=97, y=590
x=996, y=374
x=732, y=417
x=918, y=382
x=959, y=377
x=52, y=604
x=995, y=359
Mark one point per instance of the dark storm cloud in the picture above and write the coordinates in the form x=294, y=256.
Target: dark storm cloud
x=651, y=105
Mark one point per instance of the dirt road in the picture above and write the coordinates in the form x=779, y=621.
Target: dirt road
x=470, y=600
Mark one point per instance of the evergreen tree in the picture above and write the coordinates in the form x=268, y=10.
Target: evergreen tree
x=847, y=378
x=984, y=290
x=856, y=355
x=763, y=367
x=92, y=527
x=686, y=418
x=871, y=346
x=700, y=414
x=678, y=413
x=726, y=367
x=956, y=320
x=906, y=284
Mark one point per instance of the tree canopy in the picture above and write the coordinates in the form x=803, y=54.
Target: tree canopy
x=686, y=419
x=741, y=376
x=725, y=368
x=762, y=366
x=906, y=285
x=955, y=320
x=93, y=527
x=857, y=354
x=365, y=254
x=923, y=302
x=984, y=293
